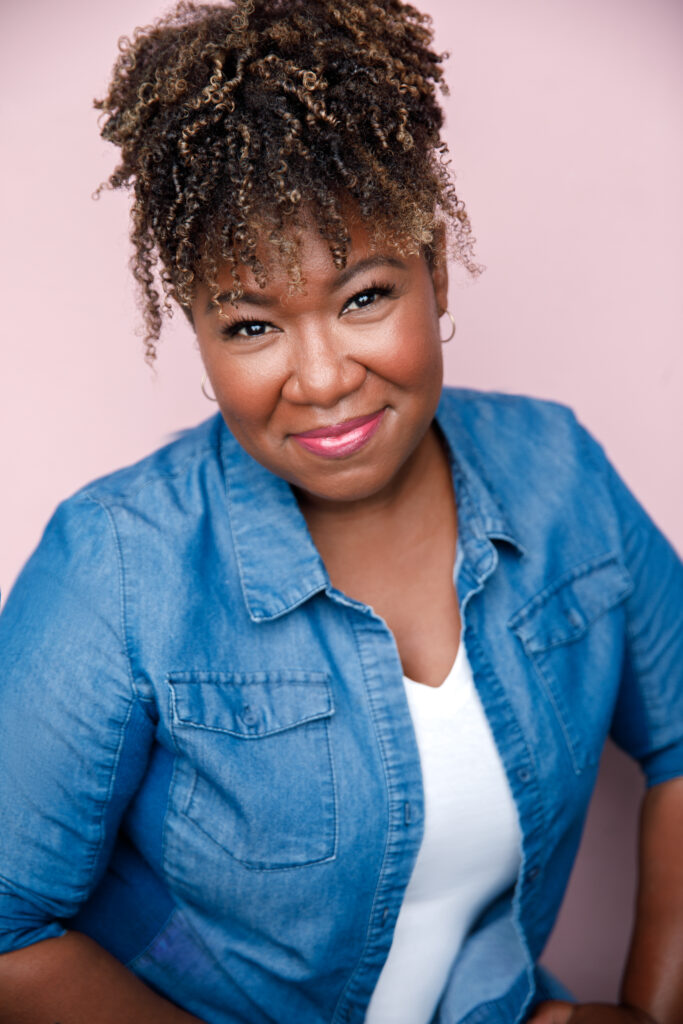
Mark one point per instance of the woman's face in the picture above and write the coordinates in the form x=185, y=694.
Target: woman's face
x=333, y=389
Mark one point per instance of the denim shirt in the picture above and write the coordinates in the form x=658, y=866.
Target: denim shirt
x=207, y=759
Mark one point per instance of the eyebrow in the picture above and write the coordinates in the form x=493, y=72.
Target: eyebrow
x=344, y=276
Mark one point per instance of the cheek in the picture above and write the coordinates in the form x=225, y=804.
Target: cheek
x=247, y=387
x=413, y=354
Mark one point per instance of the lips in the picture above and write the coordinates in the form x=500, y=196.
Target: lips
x=340, y=439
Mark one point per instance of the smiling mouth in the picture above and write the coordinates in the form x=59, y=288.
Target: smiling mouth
x=340, y=439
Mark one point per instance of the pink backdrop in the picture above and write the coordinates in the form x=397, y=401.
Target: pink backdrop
x=563, y=122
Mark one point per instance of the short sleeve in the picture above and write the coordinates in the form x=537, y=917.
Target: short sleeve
x=75, y=736
x=648, y=717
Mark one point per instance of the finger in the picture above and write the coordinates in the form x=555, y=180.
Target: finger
x=552, y=1011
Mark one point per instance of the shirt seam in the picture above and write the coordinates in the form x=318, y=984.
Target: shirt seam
x=122, y=725
x=118, y=498
x=601, y=466
x=125, y=645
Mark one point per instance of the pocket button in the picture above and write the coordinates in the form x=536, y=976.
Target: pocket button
x=249, y=716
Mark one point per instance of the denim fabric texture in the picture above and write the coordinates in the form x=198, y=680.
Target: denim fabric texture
x=207, y=759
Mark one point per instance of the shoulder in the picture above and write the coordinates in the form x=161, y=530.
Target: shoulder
x=541, y=465
x=513, y=435
x=520, y=418
x=190, y=455
x=140, y=507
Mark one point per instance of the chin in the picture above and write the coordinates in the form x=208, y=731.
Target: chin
x=344, y=488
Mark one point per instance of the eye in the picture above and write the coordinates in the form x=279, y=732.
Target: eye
x=247, y=329
x=369, y=296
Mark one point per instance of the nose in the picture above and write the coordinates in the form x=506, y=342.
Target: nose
x=322, y=372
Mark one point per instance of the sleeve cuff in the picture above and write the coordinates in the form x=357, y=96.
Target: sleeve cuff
x=664, y=764
x=12, y=940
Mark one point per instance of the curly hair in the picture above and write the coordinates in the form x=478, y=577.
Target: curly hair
x=235, y=121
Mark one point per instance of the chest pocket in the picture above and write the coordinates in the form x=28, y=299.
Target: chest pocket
x=573, y=633
x=255, y=769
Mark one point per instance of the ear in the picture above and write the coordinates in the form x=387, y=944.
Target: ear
x=440, y=281
x=439, y=270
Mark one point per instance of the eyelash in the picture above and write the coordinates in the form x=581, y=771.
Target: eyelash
x=231, y=330
x=381, y=291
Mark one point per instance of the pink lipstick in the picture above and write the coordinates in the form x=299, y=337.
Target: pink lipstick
x=340, y=439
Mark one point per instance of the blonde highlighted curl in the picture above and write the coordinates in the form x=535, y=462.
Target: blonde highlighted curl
x=235, y=120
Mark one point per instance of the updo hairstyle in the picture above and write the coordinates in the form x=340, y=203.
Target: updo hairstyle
x=237, y=122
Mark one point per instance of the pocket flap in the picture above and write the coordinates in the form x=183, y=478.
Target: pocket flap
x=566, y=608
x=249, y=705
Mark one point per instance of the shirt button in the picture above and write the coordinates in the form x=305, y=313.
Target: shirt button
x=249, y=716
x=523, y=774
x=533, y=874
x=385, y=915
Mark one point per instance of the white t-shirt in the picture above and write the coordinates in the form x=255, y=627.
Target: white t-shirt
x=470, y=852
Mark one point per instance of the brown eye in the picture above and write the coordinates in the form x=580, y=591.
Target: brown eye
x=368, y=297
x=247, y=329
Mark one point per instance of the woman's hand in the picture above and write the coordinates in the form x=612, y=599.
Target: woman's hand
x=555, y=1011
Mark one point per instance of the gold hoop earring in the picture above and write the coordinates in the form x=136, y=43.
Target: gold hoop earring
x=450, y=316
x=206, y=394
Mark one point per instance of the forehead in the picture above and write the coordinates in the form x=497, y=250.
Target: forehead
x=299, y=260
x=304, y=243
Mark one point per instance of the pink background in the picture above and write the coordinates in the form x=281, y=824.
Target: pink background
x=563, y=122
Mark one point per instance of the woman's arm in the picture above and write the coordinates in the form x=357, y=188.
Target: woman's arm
x=653, y=979
x=76, y=741
x=72, y=980
x=652, y=986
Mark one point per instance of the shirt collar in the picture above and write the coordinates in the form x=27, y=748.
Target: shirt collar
x=278, y=562
x=481, y=515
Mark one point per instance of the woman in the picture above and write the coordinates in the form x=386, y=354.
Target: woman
x=317, y=692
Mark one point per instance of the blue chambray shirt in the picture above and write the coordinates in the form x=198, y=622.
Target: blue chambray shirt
x=207, y=759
